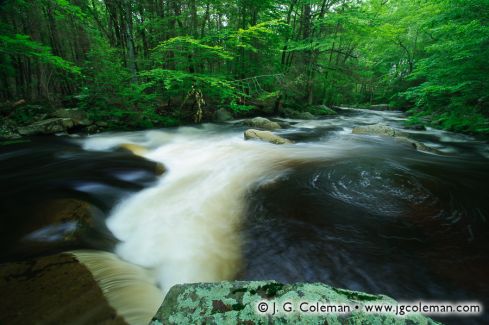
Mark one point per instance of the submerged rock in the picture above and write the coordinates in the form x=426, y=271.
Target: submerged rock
x=267, y=136
x=262, y=123
x=55, y=289
x=252, y=302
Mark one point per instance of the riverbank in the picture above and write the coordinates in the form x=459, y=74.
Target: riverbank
x=20, y=120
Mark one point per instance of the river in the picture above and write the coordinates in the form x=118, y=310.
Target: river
x=354, y=211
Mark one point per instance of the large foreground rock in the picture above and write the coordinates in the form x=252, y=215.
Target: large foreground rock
x=238, y=303
x=56, y=289
x=267, y=136
x=262, y=123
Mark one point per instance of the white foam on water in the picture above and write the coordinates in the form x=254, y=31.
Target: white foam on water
x=186, y=227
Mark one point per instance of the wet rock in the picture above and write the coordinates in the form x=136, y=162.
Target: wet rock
x=267, y=136
x=417, y=145
x=378, y=129
x=305, y=116
x=92, y=129
x=55, y=289
x=262, y=123
x=237, y=302
x=322, y=110
x=57, y=225
x=417, y=127
x=160, y=169
x=134, y=148
x=49, y=126
x=222, y=115
x=399, y=136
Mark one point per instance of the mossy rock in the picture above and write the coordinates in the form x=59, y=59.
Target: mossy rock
x=238, y=302
x=321, y=110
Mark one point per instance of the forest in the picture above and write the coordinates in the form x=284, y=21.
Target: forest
x=212, y=161
x=153, y=63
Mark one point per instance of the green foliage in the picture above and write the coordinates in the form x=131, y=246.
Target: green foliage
x=19, y=44
x=144, y=64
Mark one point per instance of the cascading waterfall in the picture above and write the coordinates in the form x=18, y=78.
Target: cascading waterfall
x=232, y=209
x=186, y=228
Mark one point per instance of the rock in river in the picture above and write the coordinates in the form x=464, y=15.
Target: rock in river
x=378, y=129
x=262, y=123
x=399, y=136
x=265, y=136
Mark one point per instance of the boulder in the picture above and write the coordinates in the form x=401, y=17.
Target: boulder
x=322, y=110
x=49, y=126
x=378, y=129
x=55, y=289
x=59, y=224
x=305, y=116
x=134, y=148
x=269, y=302
x=399, y=136
x=266, y=136
x=77, y=115
x=417, y=145
x=262, y=123
x=222, y=115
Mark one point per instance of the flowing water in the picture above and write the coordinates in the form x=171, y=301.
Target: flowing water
x=359, y=212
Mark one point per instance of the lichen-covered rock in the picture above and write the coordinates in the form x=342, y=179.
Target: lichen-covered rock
x=268, y=302
x=55, y=289
x=262, y=123
x=378, y=129
x=267, y=136
x=49, y=126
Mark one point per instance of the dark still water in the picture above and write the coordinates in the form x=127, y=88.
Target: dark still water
x=355, y=211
